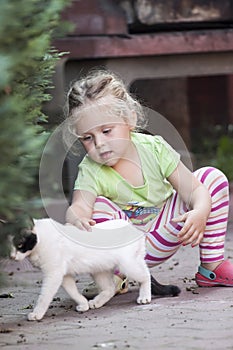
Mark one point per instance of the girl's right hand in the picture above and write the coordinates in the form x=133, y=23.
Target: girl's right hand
x=84, y=224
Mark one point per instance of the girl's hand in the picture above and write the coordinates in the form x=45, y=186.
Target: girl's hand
x=84, y=224
x=80, y=212
x=193, y=229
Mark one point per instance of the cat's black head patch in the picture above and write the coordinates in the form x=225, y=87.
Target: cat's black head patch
x=25, y=241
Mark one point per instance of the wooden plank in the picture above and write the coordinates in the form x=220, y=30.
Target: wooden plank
x=200, y=41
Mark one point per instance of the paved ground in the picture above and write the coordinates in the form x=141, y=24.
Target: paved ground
x=200, y=318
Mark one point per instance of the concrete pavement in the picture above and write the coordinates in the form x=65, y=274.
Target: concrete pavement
x=199, y=318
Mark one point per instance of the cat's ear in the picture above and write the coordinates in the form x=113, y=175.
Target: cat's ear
x=31, y=222
x=24, y=219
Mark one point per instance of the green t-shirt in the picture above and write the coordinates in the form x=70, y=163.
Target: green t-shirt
x=158, y=161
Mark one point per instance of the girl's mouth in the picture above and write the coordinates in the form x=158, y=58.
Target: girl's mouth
x=106, y=155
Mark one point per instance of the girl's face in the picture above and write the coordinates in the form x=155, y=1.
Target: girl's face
x=105, y=138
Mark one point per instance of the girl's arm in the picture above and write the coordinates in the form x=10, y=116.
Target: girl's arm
x=80, y=212
x=198, y=200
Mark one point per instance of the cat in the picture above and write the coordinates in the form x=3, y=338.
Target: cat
x=61, y=259
x=50, y=246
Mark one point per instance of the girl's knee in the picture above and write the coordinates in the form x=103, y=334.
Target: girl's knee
x=210, y=175
x=102, y=199
x=219, y=173
x=105, y=209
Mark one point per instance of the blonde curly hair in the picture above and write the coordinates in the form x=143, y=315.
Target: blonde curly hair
x=100, y=88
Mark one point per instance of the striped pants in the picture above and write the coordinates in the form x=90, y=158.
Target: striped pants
x=161, y=233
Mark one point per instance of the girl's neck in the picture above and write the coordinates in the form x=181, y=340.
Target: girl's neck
x=130, y=169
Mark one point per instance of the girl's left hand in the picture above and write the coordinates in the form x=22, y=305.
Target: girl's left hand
x=193, y=229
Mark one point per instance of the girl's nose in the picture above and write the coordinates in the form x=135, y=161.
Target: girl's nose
x=99, y=141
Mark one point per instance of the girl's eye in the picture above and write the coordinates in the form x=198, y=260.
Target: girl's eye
x=87, y=138
x=107, y=131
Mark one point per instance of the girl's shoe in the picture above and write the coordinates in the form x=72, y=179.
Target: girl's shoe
x=121, y=287
x=221, y=276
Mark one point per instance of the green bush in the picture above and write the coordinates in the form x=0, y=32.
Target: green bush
x=27, y=62
x=224, y=156
x=213, y=146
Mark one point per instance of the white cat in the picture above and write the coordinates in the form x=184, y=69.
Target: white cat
x=63, y=251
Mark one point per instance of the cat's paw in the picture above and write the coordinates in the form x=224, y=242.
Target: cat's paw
x=94, y=304
x=34, y=316
x=144, y=299
x=82, y=307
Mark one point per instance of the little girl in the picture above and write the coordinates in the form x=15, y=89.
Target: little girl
x=133, y=176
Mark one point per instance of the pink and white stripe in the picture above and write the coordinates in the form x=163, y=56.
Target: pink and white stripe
x=161, y=233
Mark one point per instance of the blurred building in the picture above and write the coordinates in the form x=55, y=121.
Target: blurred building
x=175, y=55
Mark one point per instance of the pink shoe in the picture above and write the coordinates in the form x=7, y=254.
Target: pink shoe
x=221, y=276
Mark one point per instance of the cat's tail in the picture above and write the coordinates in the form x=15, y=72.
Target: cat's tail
x=163, y=289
